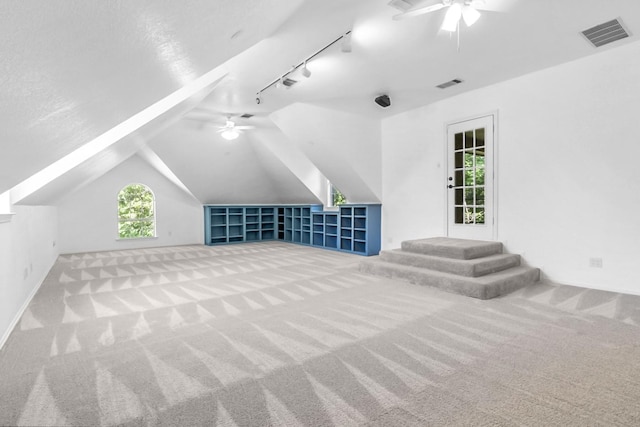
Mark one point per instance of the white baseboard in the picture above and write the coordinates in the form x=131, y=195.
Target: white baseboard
x=18, y=315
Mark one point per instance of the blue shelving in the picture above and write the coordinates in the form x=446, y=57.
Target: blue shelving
x=353, y=228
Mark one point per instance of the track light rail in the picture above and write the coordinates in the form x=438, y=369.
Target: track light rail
x=295, y=67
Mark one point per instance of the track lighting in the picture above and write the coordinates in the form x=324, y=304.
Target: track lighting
x=305, y=71
x=285, y=82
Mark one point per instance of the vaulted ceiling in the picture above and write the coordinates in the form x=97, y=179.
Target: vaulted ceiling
x=87, y=84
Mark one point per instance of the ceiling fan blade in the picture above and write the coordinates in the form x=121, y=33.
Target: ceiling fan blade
x=420, y=11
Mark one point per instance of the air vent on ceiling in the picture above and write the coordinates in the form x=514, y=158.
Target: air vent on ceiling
x=403, y=5
x=288, y=82
x=606, y=33
x=246, y=116
x=449, y=83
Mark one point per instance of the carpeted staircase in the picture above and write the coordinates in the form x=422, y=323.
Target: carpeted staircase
x=473, y=268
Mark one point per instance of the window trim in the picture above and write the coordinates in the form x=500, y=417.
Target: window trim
x=330, y=204
x=153, y=218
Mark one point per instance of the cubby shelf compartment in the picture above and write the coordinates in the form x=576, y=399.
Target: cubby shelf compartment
x=352, y=228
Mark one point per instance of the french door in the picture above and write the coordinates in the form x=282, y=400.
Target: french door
x=470, y=179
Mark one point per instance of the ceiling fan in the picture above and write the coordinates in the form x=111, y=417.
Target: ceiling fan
x=230, y=130
x=457, y=10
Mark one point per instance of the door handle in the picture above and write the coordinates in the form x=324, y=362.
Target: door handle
x=449, y=186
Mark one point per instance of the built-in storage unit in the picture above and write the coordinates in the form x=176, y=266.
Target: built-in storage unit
x=353, y=228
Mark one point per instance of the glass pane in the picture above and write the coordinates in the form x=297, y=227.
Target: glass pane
x=479, y=216
x=468, y=168
x=458, y=141
x=459, y=196
x=459, y=181
x=459, y=215
x=135, y=229
x=468, y=215
x=135, y=202
x=479, y=196
x=468, y=139
x=459, y=162
x=480, y=169
x=480, y=137
x=468, y=196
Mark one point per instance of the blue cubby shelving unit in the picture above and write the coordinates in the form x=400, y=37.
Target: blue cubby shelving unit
x=352, y=228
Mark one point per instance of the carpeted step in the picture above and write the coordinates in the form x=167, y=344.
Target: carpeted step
x=485, y=287
x=464, y=267
x=453, y=248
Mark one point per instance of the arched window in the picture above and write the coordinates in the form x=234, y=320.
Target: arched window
x=136, y=212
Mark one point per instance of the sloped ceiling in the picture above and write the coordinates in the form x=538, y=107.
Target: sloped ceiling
x=345, y=147
x=220, y=171
x=73, y=69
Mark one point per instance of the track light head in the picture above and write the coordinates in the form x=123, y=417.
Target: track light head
x=305, y=71
x=345, y=45
x=258, y=98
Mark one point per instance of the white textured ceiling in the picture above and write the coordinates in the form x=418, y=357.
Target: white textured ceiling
x=73, y=69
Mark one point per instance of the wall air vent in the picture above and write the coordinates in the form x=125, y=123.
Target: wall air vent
x=606, y=33
x=246, y=116
x=449, y=83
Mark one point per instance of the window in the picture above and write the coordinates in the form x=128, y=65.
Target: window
x=336, y=198
x=136, y=212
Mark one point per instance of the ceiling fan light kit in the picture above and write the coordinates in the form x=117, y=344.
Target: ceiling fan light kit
x=230, y=134
x=466, y=10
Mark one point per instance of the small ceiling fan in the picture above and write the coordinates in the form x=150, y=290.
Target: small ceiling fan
x=457, y=10
x=230, y=130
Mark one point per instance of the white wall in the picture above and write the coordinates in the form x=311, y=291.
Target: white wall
x=345, y=147
x=88, y=217
x=567, y=164
x=28, y=250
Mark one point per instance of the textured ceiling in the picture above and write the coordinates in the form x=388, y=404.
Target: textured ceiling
x=73, y=69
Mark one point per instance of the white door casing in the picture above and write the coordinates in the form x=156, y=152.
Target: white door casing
x=470, y=179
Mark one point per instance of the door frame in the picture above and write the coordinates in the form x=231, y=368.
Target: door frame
x=494, y=188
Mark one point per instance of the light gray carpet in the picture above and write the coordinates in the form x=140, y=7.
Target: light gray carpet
x=285, y=335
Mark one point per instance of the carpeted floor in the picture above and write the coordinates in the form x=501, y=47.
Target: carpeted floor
x=285, y=335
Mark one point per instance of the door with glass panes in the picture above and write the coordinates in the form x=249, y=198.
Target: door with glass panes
x=470, y=207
